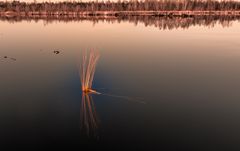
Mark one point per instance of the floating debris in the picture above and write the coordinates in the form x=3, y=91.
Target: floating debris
x=14, y=59
x=56, y=51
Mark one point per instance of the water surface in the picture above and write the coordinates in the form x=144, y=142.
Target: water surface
x=183, y=82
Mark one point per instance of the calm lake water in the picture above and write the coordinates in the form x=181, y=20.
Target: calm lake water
x=171, y=88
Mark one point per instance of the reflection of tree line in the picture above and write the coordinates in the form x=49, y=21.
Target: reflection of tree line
x=161, y=22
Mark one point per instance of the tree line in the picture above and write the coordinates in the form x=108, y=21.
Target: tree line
x=132, y=5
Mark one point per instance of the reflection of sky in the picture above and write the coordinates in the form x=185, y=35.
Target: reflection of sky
x=138, y=53
x=44, y=37
x=132, y=50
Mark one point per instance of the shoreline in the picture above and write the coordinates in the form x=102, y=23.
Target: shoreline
x=118, y=13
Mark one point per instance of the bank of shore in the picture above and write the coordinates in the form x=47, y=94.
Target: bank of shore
x=120, y=13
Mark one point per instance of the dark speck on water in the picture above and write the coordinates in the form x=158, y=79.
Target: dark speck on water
x=56, y=51
x=14, y=59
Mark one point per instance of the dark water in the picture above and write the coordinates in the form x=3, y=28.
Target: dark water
x=167, y=89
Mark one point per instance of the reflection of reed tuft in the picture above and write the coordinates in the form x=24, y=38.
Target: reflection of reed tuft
x=88, y=114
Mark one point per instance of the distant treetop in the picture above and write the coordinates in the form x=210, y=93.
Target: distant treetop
x=132, y=5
